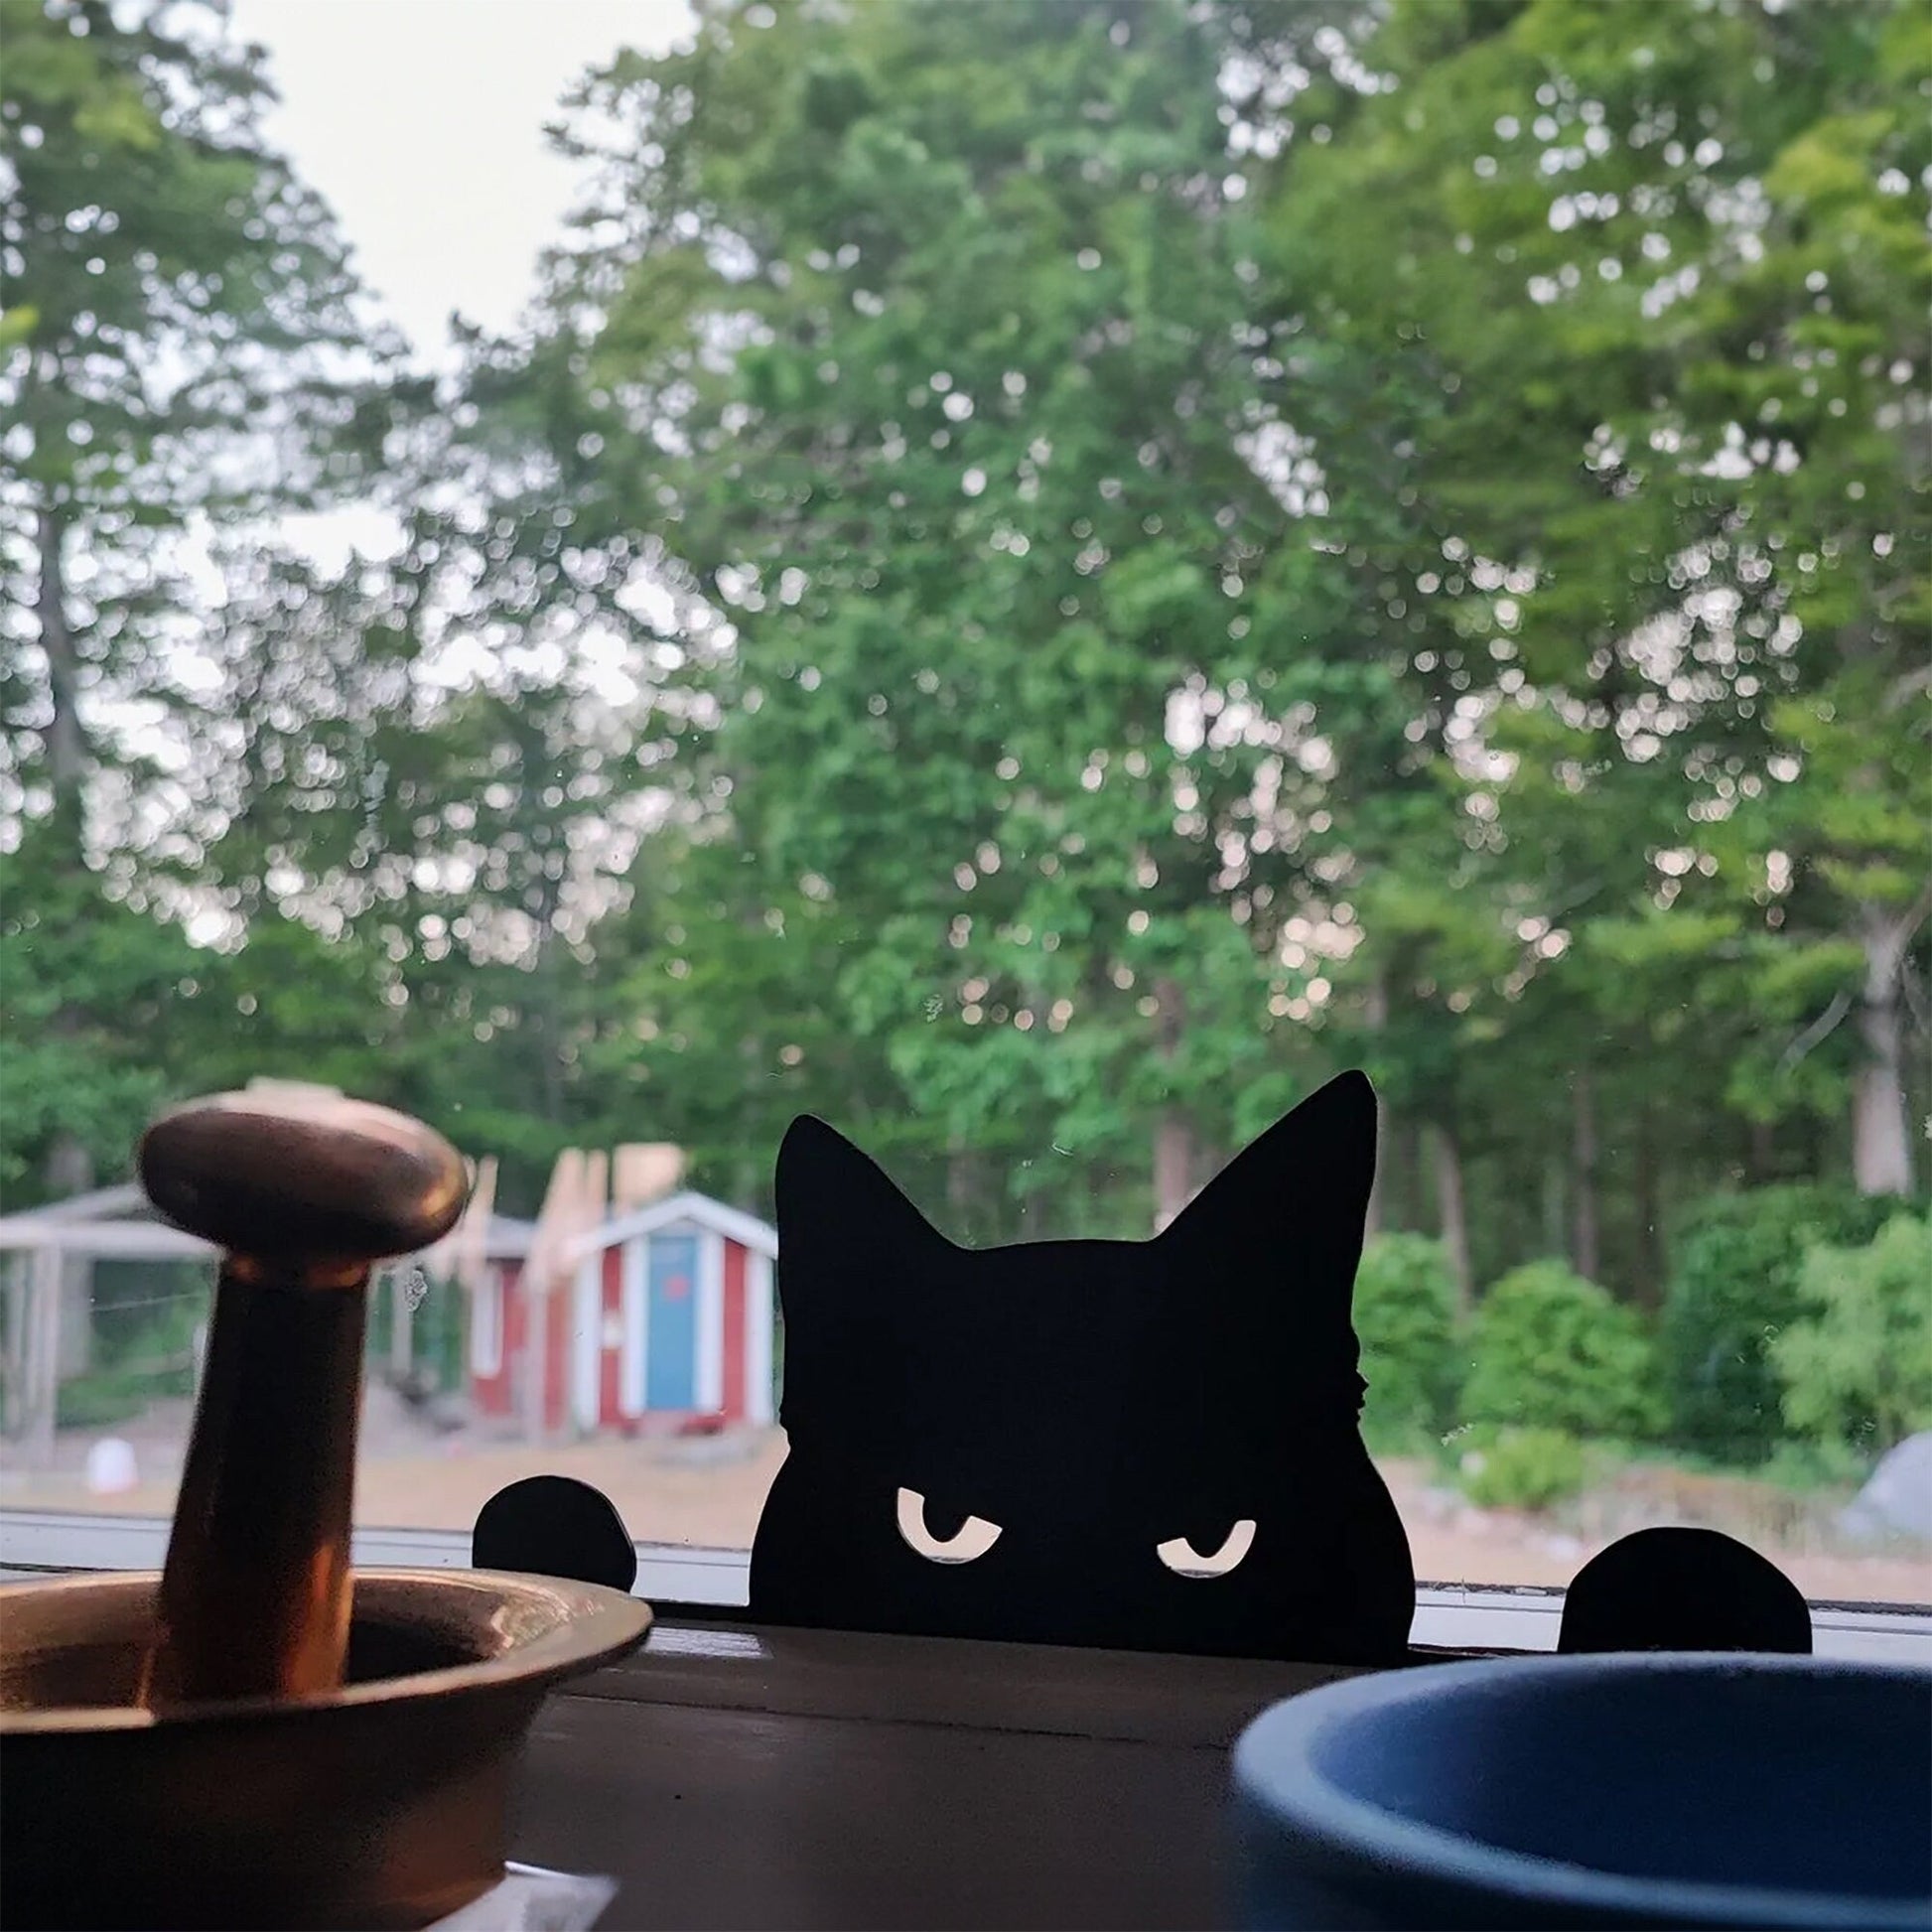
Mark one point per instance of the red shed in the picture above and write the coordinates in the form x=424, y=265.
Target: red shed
x=666, y=1323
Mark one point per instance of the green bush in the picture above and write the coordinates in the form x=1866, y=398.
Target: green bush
x=1808, y=1467
x=1552, y=1351
x=1733, y=1289
x=1404, y=1316
x=105, y=1396
x=1520, y=1469
x=1856, y=1363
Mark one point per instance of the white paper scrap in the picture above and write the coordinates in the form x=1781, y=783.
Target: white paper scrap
x=532, y=1899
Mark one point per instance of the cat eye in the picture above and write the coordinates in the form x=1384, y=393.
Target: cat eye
x=1185, y=1560
x=967, y=1544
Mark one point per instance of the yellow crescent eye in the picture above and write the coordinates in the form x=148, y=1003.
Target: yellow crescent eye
x=1185, y=1560
x=968, y=1544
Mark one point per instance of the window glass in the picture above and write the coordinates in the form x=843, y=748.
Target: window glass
x=611, y=579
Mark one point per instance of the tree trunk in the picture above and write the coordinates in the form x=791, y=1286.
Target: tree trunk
x=1375, y=1015
x=1450, y=1220
x=1584, y=1247
x=962, y=1191
x=66, y=742
x=1408, y=1139
x=69, y=1167
x=1173, y=1166
x=1174, y=1140
x=1881, y=1145
x=1649, y=1247
x=1762, y=1155
x=550, y=1023
x=1555, y=1205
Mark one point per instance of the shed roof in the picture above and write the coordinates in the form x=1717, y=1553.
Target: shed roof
x=507, y=1237
x=120, y=1223
x=122, y=1202
x=732, y=1222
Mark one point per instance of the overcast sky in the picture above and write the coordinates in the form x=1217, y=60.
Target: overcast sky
x=421, y=121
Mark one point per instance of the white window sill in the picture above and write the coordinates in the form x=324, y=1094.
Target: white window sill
x=1447, y=1616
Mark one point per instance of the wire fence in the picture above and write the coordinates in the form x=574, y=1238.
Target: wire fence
x=128, y=1335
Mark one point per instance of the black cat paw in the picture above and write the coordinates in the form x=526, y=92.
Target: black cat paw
x=555, y=1526
x=1683, y=1590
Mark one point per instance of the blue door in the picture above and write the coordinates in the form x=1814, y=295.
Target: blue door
x=671, y=1336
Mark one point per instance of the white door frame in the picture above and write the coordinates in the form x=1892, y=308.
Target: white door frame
x=636, y=1302
x=708, y=1380
x=759, y=1321
x=585, y=1353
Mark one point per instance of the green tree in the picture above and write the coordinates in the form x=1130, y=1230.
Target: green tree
x=171, y=292
x=943, y=345
x=443, y=846
x=1612, y=409
x=173, y=295
x=82, y=979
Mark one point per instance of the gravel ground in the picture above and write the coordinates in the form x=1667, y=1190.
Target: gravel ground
x=708, y=1491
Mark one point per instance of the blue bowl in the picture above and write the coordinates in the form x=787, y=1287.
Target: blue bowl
x=1639, y=1790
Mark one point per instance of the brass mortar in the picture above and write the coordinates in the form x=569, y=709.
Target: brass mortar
x=379, y=1804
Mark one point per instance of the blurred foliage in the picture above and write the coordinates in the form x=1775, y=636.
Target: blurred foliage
x=85, y=990
x=1405, y=1306
x=1734, y=1290
x=1033, y=593
x=1520, y=1469
x=1551, y=1350
x=1856, y=1363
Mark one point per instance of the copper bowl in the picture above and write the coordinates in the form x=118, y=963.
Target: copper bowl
x=381, y=1804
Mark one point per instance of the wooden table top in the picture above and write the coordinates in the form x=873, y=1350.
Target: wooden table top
x=728, y=1776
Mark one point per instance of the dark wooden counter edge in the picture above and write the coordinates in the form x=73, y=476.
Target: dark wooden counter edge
x=690, y=1661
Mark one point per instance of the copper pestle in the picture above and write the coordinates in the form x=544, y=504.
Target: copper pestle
x=255, y=1737
x=304, y=1190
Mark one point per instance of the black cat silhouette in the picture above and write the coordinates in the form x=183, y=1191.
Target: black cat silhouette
x=1060, y=1442
x=1675, y=1587
x=555, y=1526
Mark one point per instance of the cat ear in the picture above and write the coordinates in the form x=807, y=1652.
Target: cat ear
x=853, y=1253
x=840, y=1217
x=1296, y=1198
